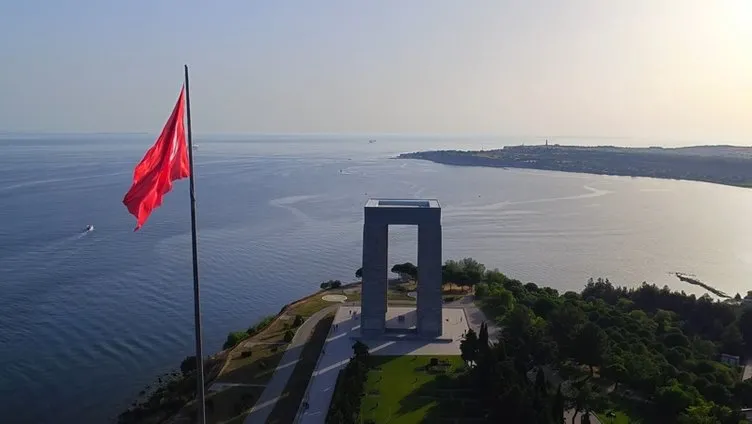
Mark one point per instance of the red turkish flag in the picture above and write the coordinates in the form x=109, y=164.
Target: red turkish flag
x=165, y=162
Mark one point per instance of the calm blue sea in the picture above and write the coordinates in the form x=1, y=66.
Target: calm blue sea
x=88, y=319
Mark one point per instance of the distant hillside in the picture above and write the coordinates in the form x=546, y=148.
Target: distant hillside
x=731, y=165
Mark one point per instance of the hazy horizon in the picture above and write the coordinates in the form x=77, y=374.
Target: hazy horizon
x=494, y=140
x=677, y=72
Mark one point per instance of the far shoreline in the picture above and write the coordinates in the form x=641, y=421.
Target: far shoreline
x=722, y=165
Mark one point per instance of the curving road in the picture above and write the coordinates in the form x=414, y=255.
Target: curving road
x=273, y=391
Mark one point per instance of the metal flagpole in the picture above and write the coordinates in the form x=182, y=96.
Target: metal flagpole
x=196, y=292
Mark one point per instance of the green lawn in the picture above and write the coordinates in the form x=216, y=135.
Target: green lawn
x=620, y=418
x=400, y=390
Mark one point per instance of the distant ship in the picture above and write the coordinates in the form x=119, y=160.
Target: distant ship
x=89, y=228
x=371, y=141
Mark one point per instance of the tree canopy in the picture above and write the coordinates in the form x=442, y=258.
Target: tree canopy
x=661, y=346
x=406, y=271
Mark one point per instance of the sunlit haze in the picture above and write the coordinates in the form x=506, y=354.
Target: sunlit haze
x=665, y=69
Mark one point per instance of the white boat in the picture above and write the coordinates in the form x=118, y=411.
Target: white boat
x=89, y=228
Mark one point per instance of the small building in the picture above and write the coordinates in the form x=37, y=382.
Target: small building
x=730, y=360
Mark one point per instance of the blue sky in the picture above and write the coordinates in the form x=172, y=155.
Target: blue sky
x=639, y=68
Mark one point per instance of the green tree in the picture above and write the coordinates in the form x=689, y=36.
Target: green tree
x=469, y=347
x=188, y=365
x=642, y=371
x=481, y=290
x=234, y=338
x=483, y=341
x=557, y=407
x=298, y=321
x=474, y=270
x=586, y=398
x=673, y=399
x=360, y=350
x=745, y=326
x=675, y=337
x=540, y=381
x=591, y=345
x=466, y=271
x=452, y=272
x=406, y=271
x=614, y=371
x=732, y=341
x=499, y=300
x=495, y=276
x=289, y=336
x=564, y=323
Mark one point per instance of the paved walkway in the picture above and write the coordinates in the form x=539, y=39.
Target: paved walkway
x=218, y=387
x=338, y=350
x=747, y=374
x=275, y=386
x=475, y=317
x=570, y=413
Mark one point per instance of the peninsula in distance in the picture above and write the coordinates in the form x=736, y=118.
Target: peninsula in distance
x=721, y=164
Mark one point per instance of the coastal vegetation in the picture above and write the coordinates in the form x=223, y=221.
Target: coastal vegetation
x=331, y=284
x=164, y=398
x=728, y=165
x=251, y=362
x=644, y=354
x=645, y=349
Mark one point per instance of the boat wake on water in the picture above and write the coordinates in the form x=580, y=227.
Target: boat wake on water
x=88, y=229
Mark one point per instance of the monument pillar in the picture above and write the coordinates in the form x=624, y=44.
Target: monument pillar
x=379, y=214
x=429, y=304
x=375, y=274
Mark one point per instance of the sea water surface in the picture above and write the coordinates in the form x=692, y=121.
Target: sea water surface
x=88, y=319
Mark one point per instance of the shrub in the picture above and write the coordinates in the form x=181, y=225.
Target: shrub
x=331, y=284
x=350, y=386
x=246, y=354
x=234, y=338
x=288, y=336
x=261, y=325
x=298, y=320
x=247, y=399
x=188, y=365
x=481, y=290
